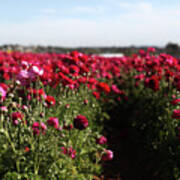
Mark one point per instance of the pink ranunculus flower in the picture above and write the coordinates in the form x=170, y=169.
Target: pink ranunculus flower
x=69, y=151
x=23, y=74
x=107, y=155
x=53, y=121
x=35, y=70
x=3, y=91
x=43, y=126
x=3, y=109
x=24, y=107
x=25, y=64
x=151, y=49
x=39, y=127
x=24, y=77
x=101, y=140
x=72, y=153
x=176, y=114
x=115, y=89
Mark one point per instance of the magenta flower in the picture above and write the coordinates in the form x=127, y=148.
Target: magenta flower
x=115, y=89
x=176, y=114
x=72, y=153
x=107, y=156
x=101, y=140
x=3, y=109
x=69, y=151
x=175, y=101
x=53, y=121
x=151, y=49
x=24, y=77
x=43, y=126
x=3, y=90
x=39, y=127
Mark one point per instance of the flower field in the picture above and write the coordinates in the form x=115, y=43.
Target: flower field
x=62, y=116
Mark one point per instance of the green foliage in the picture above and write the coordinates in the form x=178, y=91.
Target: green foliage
x=25, y=155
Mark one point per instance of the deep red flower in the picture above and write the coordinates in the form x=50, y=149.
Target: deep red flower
x=80, y=122
x=175, y=101
x=16, y=116
x=168, y=74
x=152, y=82
x=68, y=127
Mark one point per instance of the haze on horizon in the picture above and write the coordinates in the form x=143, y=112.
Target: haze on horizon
x=73, y=23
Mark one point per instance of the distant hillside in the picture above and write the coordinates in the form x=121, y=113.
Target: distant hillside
x=170, y=48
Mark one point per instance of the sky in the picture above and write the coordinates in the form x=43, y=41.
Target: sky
x=74, y=23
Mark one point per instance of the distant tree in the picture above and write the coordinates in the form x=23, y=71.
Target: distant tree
x=172, y=48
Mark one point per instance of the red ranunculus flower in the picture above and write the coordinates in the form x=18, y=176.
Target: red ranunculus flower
x=50, y=101
x=26, y=149
x=16, y=116
x=96, y=94
x=103, y=87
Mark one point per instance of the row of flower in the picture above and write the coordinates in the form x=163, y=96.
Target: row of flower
x=53, y=106
x=149, y=103
x=50, y=118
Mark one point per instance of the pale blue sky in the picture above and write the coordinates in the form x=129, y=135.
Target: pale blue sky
x=89, y=22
